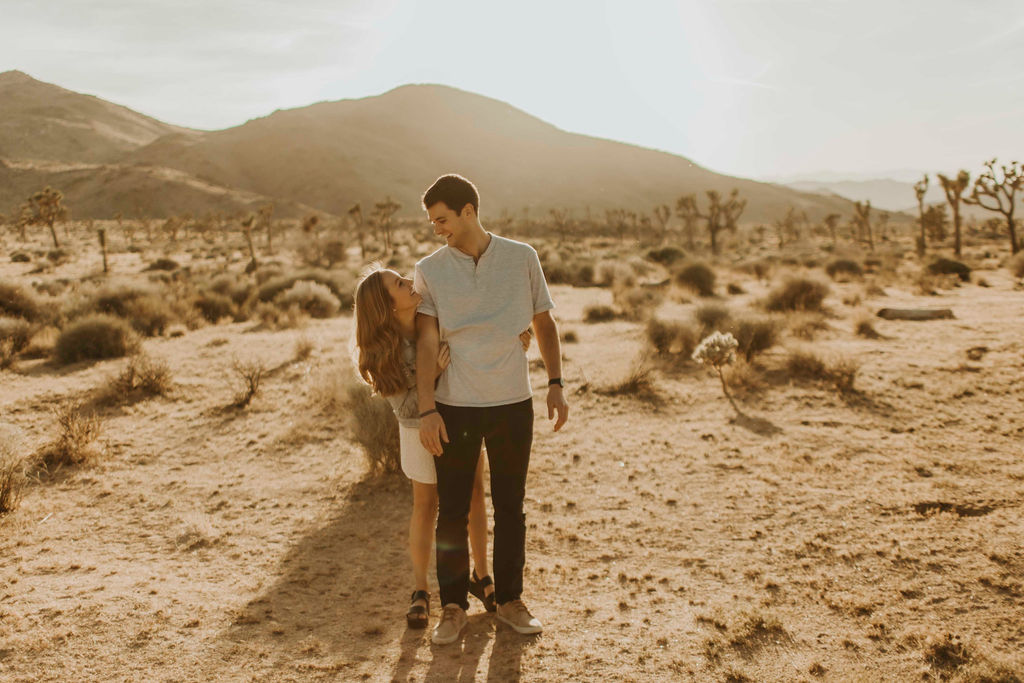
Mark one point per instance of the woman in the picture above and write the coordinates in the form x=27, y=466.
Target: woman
x=385, y=312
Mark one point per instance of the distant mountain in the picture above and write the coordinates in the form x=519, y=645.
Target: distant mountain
x=332, y=154
x=43, y=121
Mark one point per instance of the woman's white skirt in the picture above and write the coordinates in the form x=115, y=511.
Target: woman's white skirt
x=417, y=462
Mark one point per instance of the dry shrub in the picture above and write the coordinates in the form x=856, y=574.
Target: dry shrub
x=577, y=272
x=711, y=317
x=797, y=294
x=310, y=297
x=666, y=256
x=21, y=257
x=246, y=378
x=840, y=372
x=215, y=307
x=164, y=264
x=698, y=277
x=12, y=473
x=863, y=326
x=341, y=284
x=17, y=302
x=843, y=269
x=42, y=343
x=143, y=377
x=637, y=303
x=1016, y=265
x=759, y=268
x=615, y=273
x=755, y=334
x=239, y=289
x=945, y=266
x=280, y=318
x=639, y=383
x=375, y=428
x=95, y=337
x=806, y=325
x=75, y=443
x=14, y=336
x=148, y=309
x=672, y=338
x=570, y=337
x=599, y=313
x=304, y=347
x=743, y=378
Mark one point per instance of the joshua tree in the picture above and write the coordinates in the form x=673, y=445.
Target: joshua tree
x=355, y=217
x=883, y=225
x=788, y=226
x=686, y=209
x=263, y=219
x=831, y=222
x=382, y=214
x=722, y=214
x=935, y=222
x=247, y=223
x=999, y=194
x=662, y=214
x=618, y=220
x=44, y=208
x=862, y=222
x=954, y=189
x=920, y=188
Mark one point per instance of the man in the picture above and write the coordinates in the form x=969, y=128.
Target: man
x=479, y=292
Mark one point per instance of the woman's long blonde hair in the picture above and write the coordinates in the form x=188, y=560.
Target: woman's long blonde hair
x=378, y=341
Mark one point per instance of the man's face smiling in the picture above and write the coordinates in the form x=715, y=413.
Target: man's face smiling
x=447, y=223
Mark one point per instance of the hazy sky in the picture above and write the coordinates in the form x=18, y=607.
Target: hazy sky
x=757, y=88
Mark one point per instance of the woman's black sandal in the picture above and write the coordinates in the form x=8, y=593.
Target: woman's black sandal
x=477, y=586
x=418, y=615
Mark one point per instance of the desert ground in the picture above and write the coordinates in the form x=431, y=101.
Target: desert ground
x=841, y=525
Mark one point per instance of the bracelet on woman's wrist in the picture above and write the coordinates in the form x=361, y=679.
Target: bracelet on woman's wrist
x=428, y=412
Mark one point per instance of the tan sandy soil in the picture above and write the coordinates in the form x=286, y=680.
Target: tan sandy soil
x=816, y=537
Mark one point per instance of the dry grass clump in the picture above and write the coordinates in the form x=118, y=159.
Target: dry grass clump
x=577, y=272
x=276, y=318
x=1016, y=265
x=863, y=326
x=637, y=303
x=246, y=375
x=806, y=325
x=78, y=431
x=374, y=426
x=143, y=377
x=164, y=264
x=672, y=338
x=95, y=337
x=304, y=348
x=12, y=474
x=755, y=334
x=310, y=297
x=638, y=383
x=666, y=256
x=599, y=313
x=843, y=269
x=698, y=277
x=840, y=372
x=17, y=302
x=148, y=309
x=711, y=317
x=797, y=294
x=215, y=307
x=341, y=284
x=614, y=273
x=15, y=334
x=945, y=266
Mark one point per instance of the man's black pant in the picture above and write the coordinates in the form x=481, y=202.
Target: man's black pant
x=507, y=432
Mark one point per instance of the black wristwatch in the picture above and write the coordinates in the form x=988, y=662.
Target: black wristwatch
x=556, y=380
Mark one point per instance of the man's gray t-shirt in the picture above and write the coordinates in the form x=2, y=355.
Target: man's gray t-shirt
x=481, y=308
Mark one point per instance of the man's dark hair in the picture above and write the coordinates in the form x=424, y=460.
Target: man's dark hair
x=455, y=191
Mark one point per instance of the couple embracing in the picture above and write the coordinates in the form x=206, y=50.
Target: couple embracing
x=448, y=350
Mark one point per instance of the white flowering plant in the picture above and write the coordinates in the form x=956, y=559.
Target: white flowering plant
x=718, y=349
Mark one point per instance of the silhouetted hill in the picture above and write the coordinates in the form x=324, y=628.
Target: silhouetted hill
x=44, y=121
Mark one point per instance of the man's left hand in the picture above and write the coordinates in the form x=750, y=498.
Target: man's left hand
x=556, y=402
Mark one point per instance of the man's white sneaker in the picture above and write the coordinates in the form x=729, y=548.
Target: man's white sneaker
x=453, y=621
x=515, y=614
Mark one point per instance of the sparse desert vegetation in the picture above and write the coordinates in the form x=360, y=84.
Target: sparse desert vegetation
x=856, y=516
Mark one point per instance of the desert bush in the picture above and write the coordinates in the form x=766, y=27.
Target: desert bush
x=864, y=327
x=304, y=348
x=1016, y=265
x=575, y=272
x=277, y=318
x=41, y=343
x=711, y=317
x=95, y=337
x=945, y=266
x=759, y=268
x=671, y=338
x=375, y=428
x=797, y=294
x=310, y=297
x=12, y=472
x=599, y=313
x=614, y=273
x=17, y=331
x=165, y=264
x=843, y=268
x=58, y=256
x=840, y=373
x=213, y=306
x=340, y=283
x=238, y=290
x=733, y=288
x=754, y=334
x=247, y=377
x=570, y=337
x=77, y=432
x=697, y=276
x=806, y=324
x=636, y=303
x=666, y=256
x=16, y=302
x=20, y=257
x=148, y=310
x=143, y=377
